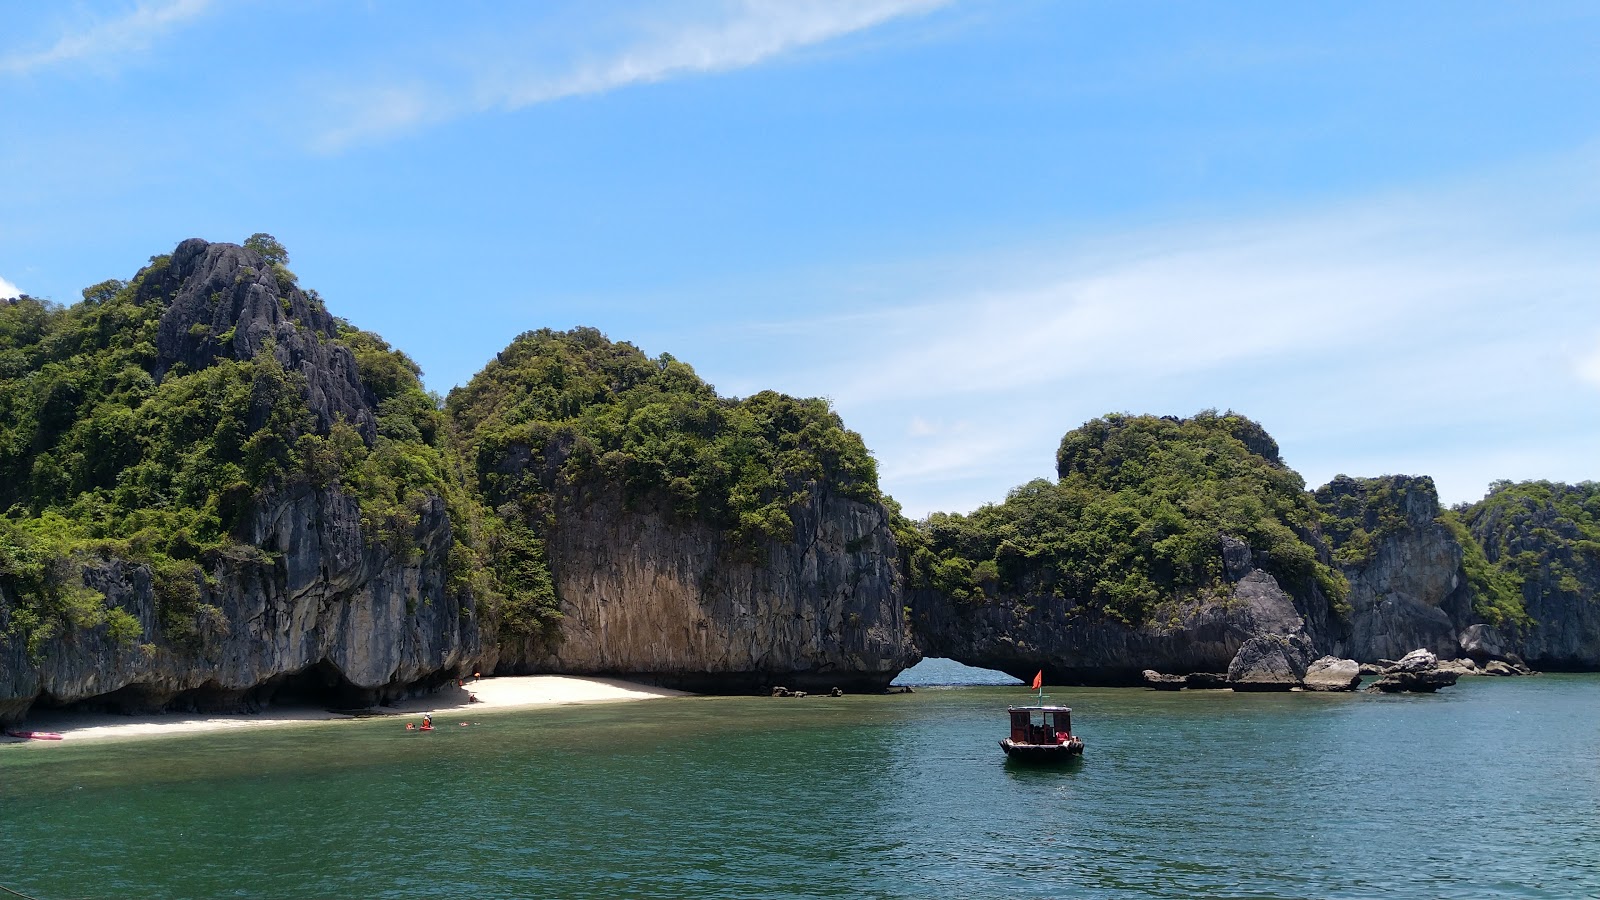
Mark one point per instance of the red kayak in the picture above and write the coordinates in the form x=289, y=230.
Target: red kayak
x=36, y=735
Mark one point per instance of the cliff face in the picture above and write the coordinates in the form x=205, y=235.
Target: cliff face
x=1408, y=590
x=658, y=531
x=1547, y=535
x=225, y=301
x=305, y=606
x=1078, y=645
x=290, y=591
x=647, y=595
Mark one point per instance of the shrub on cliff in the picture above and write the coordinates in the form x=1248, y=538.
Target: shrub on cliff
x=561, y=409
x=1535, y=536
x=110, y=448
x=1135, y=517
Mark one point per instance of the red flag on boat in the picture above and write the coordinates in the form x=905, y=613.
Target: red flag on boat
x=1038, y=680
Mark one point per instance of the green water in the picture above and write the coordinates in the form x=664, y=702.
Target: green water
x=1489, y=789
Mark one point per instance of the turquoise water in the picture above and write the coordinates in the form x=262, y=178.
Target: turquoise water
x=1489, y=789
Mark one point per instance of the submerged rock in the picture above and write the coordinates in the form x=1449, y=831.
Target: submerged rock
x=1425, y=681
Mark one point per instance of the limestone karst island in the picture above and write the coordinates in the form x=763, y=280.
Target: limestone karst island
x=221, y=496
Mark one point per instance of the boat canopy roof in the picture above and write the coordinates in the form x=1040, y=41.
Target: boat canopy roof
x=1065, y=709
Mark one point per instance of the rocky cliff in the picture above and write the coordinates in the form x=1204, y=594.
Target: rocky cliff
x=1165, y=544
x=1545, y=538
x=645, y=594
x=1077, y=645
x=676, y=536
x=205, y=534
x=304, y=607
x=1408, y=589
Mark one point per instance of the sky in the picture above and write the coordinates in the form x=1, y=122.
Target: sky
x=973, y=225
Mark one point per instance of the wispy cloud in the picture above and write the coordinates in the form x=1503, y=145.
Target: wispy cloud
x=501, y=78
x=8, y=290
x=1386, y=332
x=108, y=39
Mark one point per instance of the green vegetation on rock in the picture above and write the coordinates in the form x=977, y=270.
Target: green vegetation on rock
x=1136, y=517
x=558, y=411
x=1535, y=535
x=104, y=456
x=1358, y=513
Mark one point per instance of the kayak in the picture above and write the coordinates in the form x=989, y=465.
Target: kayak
x=36, y=735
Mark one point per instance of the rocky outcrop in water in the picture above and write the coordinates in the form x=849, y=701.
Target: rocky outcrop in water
x=1417, y=672
x=1332, y=674
x=1075, y=645
x=1273, y=662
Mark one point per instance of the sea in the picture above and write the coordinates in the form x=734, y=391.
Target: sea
x=1487, y=789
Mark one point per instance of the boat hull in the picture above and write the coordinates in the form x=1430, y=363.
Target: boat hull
x=1042, y=753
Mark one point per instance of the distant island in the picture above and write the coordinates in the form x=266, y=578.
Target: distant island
x=218, y=496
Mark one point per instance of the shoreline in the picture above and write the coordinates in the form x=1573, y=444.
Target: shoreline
x=511, y=692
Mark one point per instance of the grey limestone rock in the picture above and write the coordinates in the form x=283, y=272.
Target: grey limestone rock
x=1272, y=663
x=1415, y=661
x=645, y=594
x=309, y=603
x=1423, y=681
x=1236, y=558
x=1162, y=682
x=1482, y=643
x=1416, y=672
x=1333, y=674
x=1020, y=634
x=225, y=301
x=1461, y=666
x=1409, y=590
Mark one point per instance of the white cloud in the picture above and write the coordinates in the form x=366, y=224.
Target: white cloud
x=109, y=38
x=499, y=77
x=1369, y=338
x=8, y=290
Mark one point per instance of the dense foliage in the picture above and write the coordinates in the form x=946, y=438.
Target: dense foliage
x=1358, y=513
x=558, y=409
x=1136, y=516
x=100, y=458
x=1532, y=535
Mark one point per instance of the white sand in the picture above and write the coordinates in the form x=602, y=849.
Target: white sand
x=491, y=694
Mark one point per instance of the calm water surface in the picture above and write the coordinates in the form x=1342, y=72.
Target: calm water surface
x=1489, y=789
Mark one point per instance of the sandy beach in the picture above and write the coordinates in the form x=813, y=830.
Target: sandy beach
x=490, y=693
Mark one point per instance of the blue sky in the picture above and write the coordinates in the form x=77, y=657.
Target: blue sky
x=973, y=225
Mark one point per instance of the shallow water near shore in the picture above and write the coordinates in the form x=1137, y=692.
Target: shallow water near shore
x=1487, y=789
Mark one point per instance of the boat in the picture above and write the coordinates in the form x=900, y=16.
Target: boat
x=1041, y=734
x=35, y=735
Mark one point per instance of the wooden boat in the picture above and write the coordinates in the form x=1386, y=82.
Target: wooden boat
x=1041, y=734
